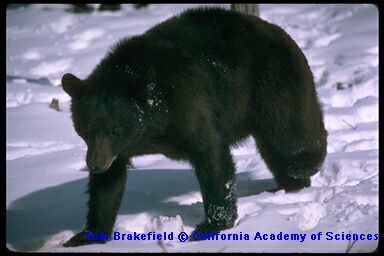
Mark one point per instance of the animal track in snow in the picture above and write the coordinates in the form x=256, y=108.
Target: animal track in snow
x=165, y=224
x=308, y=215
x=325, y=40
x=18, y=150
x=63, y=24
x=84, y=39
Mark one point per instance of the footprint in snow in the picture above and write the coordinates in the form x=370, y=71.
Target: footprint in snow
x=18, y=150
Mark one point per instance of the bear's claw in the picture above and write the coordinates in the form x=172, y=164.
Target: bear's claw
x=81, y=239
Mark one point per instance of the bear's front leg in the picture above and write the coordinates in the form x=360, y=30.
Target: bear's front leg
x=216, y=176
x=106, y=191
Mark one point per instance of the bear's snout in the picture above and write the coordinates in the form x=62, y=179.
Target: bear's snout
x=99, y=156
x=99, y=165
x=93, y=168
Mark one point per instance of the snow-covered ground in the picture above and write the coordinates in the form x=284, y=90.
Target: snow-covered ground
x=46, y=174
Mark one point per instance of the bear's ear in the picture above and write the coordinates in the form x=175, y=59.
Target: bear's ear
x=72, y=85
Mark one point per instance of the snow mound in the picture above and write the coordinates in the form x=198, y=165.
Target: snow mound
x=53, y=67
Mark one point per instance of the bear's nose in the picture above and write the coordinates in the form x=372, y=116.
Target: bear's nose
x=95, y=169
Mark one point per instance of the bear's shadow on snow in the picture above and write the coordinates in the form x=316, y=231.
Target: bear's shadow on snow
x=34, y=217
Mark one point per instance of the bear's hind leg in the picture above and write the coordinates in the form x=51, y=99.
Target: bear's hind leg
x=106, y=191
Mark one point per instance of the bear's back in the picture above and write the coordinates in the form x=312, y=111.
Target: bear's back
x=212, y=28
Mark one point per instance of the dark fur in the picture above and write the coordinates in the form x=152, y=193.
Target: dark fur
x=190, y=88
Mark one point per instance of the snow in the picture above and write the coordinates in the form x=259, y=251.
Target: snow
x=46, y=173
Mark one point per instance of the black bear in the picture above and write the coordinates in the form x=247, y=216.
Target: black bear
x=189, y=88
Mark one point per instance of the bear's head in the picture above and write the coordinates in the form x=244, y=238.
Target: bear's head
x=109, y=123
